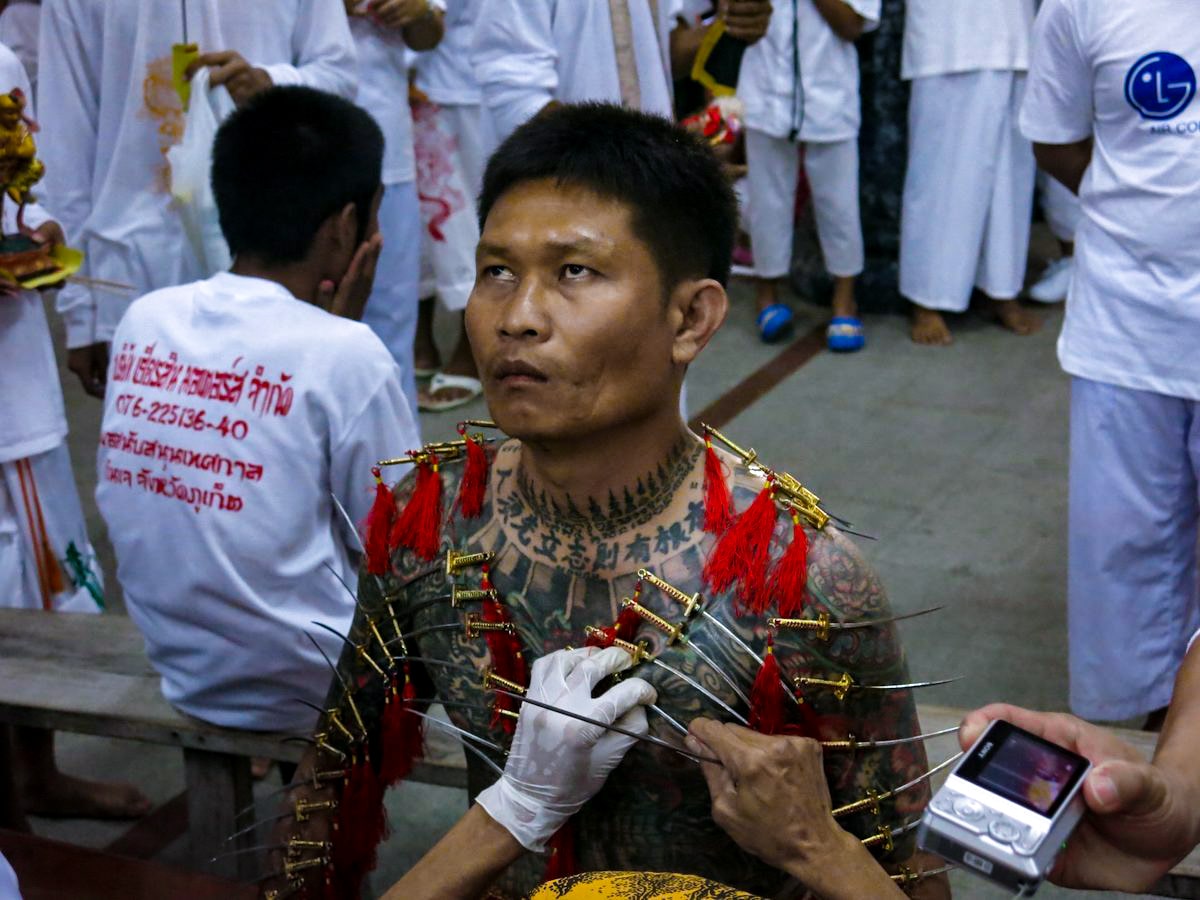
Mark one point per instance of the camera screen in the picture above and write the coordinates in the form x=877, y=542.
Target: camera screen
x=1030, y=772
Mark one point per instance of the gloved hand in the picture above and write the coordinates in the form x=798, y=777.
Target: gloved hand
x=556, y=763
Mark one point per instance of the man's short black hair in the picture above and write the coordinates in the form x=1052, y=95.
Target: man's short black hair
x=288, y=160
x=683, y=206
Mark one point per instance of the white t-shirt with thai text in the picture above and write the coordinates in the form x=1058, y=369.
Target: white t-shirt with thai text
x=942, y=37
x=1125, y=74
x=233, y=411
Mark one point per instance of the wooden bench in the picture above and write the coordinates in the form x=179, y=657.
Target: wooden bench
x=89, y=675
x=52, y=870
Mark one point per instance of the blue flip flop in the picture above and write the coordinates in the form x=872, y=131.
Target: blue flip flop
x=774, y=322
x=845, y=334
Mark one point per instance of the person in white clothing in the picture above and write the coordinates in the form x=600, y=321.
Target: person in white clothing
x=9, y=889
x=111, y=112
x=453, y=141
x=383, y=33
x=1111, y=106
x=800, y=85
x=19, y=23
x=46, y=559
x=528, y=53
x=242, y=410
x=968, y=189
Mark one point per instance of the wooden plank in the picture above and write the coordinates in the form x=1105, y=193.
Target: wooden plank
x=52, y=870
x=218, y=785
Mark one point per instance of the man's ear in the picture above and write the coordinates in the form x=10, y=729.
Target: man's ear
x=700, y=307
x=346, y=227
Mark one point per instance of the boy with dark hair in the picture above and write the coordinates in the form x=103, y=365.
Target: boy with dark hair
x=239, y=407
x=606, y=241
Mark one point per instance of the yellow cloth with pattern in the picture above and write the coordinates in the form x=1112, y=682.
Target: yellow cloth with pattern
x=643, y=885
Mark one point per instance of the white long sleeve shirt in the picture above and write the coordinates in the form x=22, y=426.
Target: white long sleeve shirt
x=942, y=37
x=529, y=52
x=801, y=80
x=233, y=412
x=110, y=114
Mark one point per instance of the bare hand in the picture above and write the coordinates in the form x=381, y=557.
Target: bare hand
x=1141, y=819
x=399, y=13
x=229, y=68
x=348, y=298
x=747, y=801
x=90, y=364
x=746, y=20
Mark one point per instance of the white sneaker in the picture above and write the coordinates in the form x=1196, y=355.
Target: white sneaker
x=1055, y=281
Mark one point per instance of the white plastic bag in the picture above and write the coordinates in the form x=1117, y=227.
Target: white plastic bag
x=191, y=162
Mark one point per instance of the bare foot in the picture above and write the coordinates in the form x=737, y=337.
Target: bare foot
x=260, y=766
x=1012, y=315
x=67, y=797
x=929, y=328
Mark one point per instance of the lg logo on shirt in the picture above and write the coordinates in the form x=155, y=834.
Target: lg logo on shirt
x=1160, y=85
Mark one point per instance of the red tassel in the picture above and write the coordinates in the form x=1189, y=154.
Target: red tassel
x=378, y=526
x=360, y=825
x=562, y=862
x=718, y=500
x=473, y=487
x=767, y=697
x=627, y=625
x=419, y=526
x=601, y=637
x=403, y=738
x=790, y=575
x=508, y=660
x=743, y=555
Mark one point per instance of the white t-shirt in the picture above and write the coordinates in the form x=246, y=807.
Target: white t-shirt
x=529, y=52
x=826, y=105
x=1126, y=75
x=32, y=419
x=109, y=114
x=19, y=24
x=946, y=36
x=233, y=411
x=444, y=73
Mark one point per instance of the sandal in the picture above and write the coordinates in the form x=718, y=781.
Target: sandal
x=774, y=322
x=845, y=334
x=427, y=400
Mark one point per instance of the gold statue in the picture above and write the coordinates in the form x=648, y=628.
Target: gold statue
x=20, y=169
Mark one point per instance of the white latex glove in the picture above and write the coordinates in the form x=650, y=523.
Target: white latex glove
x=556, y=763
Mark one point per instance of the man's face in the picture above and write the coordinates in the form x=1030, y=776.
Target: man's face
x=567, y=319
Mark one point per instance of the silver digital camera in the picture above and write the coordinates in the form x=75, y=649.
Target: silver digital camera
x=1007, y=807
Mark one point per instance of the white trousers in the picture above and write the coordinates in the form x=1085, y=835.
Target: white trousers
x=448, y=146
x=1060, y=206
x=392, y=307
x=968, y=191
x=46, y=559
x=774, y=173
x=1132, y=599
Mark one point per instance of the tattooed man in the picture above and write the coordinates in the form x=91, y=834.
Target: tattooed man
x=601, y=271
